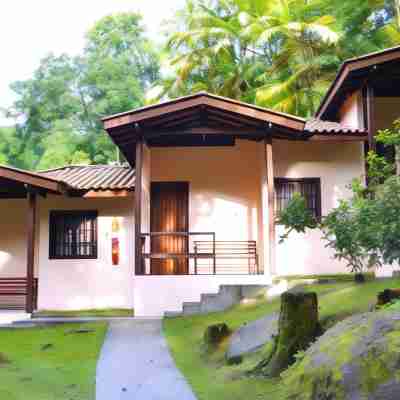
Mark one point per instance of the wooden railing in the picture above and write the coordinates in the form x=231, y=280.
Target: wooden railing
x=13, y=292
x=229, y=257
x=207, y=256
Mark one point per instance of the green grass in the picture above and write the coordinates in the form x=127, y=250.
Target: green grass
x=345, y=277
x=212, y=379
x=106, y=312
x=50, y=363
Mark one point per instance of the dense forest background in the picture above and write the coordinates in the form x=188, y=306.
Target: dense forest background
x=281, y=54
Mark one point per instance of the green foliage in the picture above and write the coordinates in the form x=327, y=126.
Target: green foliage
x=349, y=230
x=60, y=107
x=364, y=230
x=279, y=54
x=296, y=216
x=379, y=169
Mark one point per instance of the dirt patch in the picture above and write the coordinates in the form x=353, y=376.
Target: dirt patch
x=4, y=360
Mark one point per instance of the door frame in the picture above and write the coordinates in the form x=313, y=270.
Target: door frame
x=166, y=183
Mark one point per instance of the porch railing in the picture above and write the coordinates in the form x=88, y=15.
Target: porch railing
x=207, y=256
x=13, y=292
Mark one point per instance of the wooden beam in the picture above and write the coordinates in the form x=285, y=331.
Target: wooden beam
x=138, y=208
x=29, y=178
x=107, y=193
x=206, y=131
x=340, y=138
x=31, y=225
x=370, y=108
x=269, y=164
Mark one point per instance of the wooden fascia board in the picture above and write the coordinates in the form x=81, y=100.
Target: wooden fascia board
x=111, y=193
x=349, y=67
x=235, y=108
x=32, y=180
x=338, y=138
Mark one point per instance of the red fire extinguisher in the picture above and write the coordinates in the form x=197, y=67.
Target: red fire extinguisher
x=115, y=242
x=115, y=251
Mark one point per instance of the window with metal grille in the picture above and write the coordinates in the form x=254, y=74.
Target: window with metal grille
x=73, y=234
x=309, y=188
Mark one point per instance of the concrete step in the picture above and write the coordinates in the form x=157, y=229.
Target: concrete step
x=172, y=314
x=227, y=296
x=191, y=308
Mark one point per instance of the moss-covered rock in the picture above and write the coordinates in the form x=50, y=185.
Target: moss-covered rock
x=359, y=358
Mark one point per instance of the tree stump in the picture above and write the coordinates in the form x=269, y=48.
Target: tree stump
x=215, y=335
x=298, y=327
x=387, y=296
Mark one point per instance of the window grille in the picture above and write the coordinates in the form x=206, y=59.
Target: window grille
x=73, y=234
x=309, y=188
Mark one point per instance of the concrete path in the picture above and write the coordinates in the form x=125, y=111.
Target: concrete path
x=135, y=364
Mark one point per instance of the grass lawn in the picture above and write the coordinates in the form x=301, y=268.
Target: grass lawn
x=105, y=312
x=50, y=363
x=212, y=379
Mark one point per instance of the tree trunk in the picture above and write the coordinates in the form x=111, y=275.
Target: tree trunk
x=397, y=10
x=397, y=155
x=298, y=327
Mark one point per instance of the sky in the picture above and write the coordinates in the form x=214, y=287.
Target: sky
x=29, y=30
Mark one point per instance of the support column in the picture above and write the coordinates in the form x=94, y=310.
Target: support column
x=271, y=199
x=370, y=108
x=31, y=225
x=138, y=208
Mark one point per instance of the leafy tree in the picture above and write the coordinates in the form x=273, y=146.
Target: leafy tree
x=391, y=137
x=118, y=66
x=9, y=145
x=364, y=230
x=63, y=146
x=60, y=107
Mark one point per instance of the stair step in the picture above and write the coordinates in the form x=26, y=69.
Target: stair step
x=191, y=308
x=172, y=314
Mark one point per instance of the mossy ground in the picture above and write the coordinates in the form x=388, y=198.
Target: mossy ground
x=50, y=363
x=209, y=375
x=103, y=312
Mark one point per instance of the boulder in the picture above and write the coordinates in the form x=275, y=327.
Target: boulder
x=251, y=337
x=357, y=359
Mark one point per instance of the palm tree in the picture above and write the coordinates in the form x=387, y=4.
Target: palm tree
x=281, y=54
x=305, y=56
x=209, y=52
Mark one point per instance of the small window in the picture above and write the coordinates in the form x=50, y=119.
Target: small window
x=309, y=188
x=73, y=234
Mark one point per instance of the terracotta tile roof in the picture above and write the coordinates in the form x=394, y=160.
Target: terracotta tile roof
x=318, y=126
x=94, y=177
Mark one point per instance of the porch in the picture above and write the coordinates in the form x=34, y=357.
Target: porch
x=19, y=191
x=216, y=216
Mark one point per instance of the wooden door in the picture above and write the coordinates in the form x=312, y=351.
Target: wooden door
x=169, y=213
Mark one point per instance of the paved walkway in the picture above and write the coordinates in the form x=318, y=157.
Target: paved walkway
x=135, y=364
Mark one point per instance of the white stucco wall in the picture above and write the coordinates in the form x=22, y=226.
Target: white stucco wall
x=226, y=193
x=82, y=284
x=224, y=186
x=13, y=238
x=336, y=164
